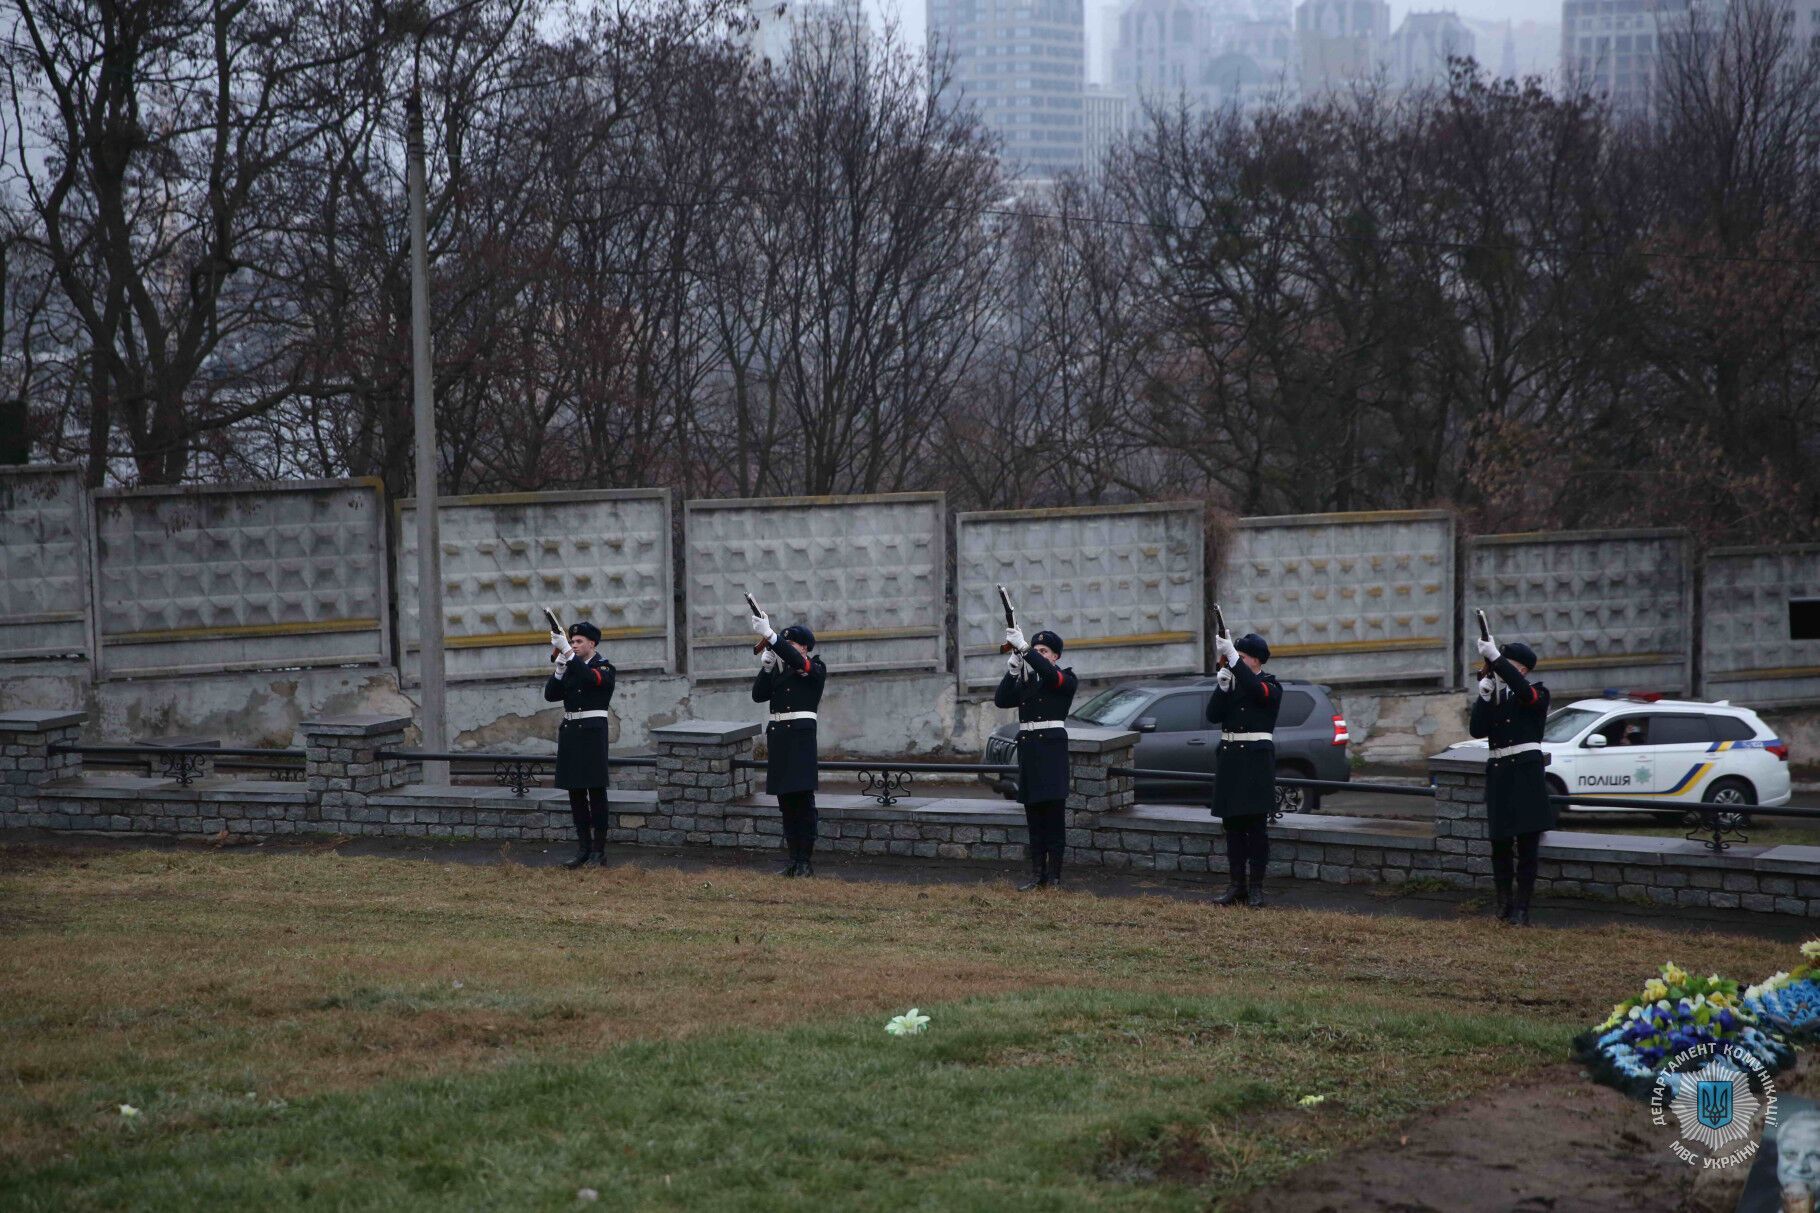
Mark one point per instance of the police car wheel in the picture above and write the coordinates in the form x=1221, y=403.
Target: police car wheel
x=1730, y=792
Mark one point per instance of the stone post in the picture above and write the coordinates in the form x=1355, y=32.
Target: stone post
x=27, y=761
x=695, y=768
x=1092, y=787
x=342, y=766
x=1462, y=840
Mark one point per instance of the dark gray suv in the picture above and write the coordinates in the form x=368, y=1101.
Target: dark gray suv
x=1170, y=714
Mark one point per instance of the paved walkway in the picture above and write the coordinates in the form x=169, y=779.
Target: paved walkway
x=1288, y=894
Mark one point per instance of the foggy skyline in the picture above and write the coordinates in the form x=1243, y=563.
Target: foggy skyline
x=911, y=13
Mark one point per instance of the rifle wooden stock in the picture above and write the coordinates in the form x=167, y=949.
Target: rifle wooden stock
x=1485, y=670
x=1219, y=629
x=1004, y=598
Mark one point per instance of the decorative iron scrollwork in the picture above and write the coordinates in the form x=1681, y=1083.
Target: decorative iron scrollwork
x=182, y=767
x=515, y=775
x=1720, y=831
x=884, y=785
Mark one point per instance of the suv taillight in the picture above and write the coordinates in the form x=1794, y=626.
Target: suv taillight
x=1779, y=749
x=1340, y=735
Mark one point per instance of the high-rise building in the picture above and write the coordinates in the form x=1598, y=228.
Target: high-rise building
x=1424, y=44
x=1341, y=41
x=1107, y=116
x=1163, y=51
x=1204, y=54
x=1614, y=47
x=1023, y=64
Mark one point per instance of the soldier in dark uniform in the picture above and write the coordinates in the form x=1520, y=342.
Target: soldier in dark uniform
x=583, y=684
x=791, y=680
x=1043, y=693
x=1244, y=704
x=1509, y=713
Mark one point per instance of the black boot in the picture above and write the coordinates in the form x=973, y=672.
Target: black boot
x=1039, y=875
x=581, y=856
x=1052, y=869
x=1255, y=896
x=805, y=861
x=1236, y=892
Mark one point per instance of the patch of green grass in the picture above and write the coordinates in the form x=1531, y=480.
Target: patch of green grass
x=1037, y=1100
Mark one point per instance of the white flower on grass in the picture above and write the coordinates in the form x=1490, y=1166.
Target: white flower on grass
x=586, y=1194
x=1311, y=1101
x=456, y=985
x=910, y=1023
x=128, y=1110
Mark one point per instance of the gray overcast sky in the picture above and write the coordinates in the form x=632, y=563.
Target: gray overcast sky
x=910, y=12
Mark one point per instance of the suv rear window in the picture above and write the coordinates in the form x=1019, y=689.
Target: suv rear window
x=1297, y=707
x=1730, y=728
x=1681, y=730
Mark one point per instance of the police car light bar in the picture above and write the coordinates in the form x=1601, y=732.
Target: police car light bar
x=1634, y=696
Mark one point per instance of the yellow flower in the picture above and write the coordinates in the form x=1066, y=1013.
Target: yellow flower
x=1654, y=990
x=1811, y=949
x=1674, y=974
x=1311, y=1101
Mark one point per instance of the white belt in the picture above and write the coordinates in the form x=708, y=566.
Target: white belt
x=590, y=714
x=1522, y=748
x=1037, y=726
x=1247, y=737
x=778, y=716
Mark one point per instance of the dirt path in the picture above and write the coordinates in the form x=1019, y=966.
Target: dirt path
x=1556, y=1144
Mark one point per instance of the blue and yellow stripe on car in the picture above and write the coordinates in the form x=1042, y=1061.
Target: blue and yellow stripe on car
x=1694, y=775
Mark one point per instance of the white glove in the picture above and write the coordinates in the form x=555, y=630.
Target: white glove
x=560, y=643
x=761, y=626
x=1223, y=679
x=1224, y=647
x=1015, y=664
x=562, y=665
x=1486, y=687
x=1488, y=649
x=1014, y=636
x=770, y=661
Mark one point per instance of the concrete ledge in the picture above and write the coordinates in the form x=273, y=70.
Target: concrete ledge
x=706, y=732
x=1097, y=740
x=359, y=724
x=1790, y=857
x=24, y=720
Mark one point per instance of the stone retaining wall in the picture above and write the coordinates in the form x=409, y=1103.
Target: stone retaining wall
x=703, y=796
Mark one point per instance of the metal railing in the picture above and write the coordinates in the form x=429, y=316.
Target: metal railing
x=509, y=770
x=184, y=763
x=883, y=781
x=1153, y=775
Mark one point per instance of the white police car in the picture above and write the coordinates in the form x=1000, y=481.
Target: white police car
x=1644, y=747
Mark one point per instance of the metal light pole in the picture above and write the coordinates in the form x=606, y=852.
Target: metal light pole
x=434, y=718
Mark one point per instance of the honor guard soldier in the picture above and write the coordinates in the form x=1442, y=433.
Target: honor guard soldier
x=1043, y=694
x=1509, y=712
x=791, y=679
x=583, y=684
x=1244, y=703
